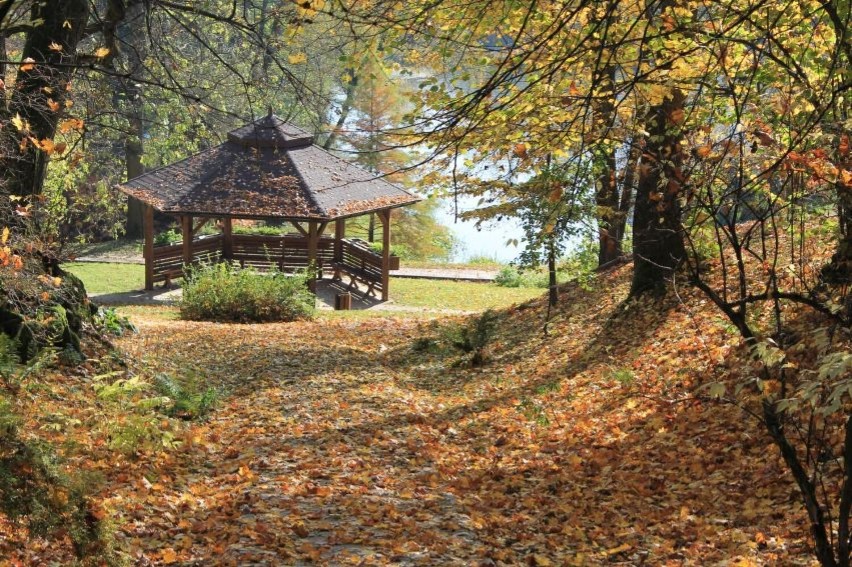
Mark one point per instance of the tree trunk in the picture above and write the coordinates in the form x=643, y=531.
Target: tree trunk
x=628, y=185
x=657, y=231
x=606, y=194
x=607, y=201
x=345, y=108
x=553, y=290
x=36, y=93
x=133, y=35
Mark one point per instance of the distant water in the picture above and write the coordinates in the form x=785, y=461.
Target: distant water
x=488, y=241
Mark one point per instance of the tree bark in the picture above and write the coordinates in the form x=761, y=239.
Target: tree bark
x=133, y=35
x=819, y=529
x=553, y=289
x=657, y=231
x=36, y=93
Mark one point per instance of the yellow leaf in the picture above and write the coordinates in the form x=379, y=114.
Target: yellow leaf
x=102, y=52
x=620, y=549
x=28, y=64
x=20, y=124
x=57, y=282
x=297, y=58
x=54, y=46
x=66, y=24
x=4, y=238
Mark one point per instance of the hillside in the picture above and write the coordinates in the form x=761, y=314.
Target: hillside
x=371, y=442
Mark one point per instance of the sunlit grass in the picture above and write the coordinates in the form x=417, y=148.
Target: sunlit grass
x=103, y=278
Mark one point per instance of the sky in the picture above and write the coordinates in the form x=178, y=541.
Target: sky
x=490, y=241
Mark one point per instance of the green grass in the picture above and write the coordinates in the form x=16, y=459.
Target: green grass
x=476, y=264
x=101, y=277
x=463, y=296
x=123, y=247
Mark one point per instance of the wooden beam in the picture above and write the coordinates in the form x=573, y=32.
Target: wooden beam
x=148, y=251
x=300, y=228
x=186, y=225
x=385, y=216
x=339, y=234
x=228, y=238
x=313, y=241
x=200, y=225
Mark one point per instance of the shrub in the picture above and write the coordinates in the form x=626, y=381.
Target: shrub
x=171, y=236
x=225, y=292
x=108, y=321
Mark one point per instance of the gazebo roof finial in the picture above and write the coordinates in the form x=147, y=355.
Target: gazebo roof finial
x=269, y=115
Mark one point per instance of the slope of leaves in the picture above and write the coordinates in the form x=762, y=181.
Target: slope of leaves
x=337, y=442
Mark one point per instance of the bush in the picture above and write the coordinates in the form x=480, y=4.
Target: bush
x=225, y=292
x=171, y=236
x=510, y=276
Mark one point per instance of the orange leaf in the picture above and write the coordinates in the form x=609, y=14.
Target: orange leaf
x=53, y=105
x=703, y=151
x=169, y=556
x=27, y=64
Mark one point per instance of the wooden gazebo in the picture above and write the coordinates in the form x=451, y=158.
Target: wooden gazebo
x=268, y=170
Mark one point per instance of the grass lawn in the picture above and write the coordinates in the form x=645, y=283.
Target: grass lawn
x=448, y=294
x=101, y=277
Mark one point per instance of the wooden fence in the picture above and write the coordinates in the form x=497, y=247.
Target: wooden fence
x=286, y=253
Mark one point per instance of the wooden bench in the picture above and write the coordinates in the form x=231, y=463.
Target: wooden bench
x=360, y=264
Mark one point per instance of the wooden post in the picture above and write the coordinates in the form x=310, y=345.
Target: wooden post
x=385, y=216
x=339, y=234
x=313, y=239
x=148, y=229
x=228, y=239
x=186, y=222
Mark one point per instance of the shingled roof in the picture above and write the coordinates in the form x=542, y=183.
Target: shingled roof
x=266, y=169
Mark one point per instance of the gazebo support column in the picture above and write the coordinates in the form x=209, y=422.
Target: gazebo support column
x=313, y=244
x=148, y=229
x=228, y=239
x=186, y=225
x=385, y=217
x=339, y=234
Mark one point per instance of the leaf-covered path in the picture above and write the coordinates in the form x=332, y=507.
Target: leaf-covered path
x=336, y=442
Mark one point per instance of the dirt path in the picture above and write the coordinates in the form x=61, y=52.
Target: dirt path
x=338, y=443
x=317, y=454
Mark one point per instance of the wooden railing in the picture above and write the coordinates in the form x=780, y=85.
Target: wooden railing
x=287, y=253
x=168, y=259
x=360, y=263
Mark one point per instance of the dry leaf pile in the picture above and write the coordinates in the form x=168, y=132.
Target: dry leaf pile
x=338, y=442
